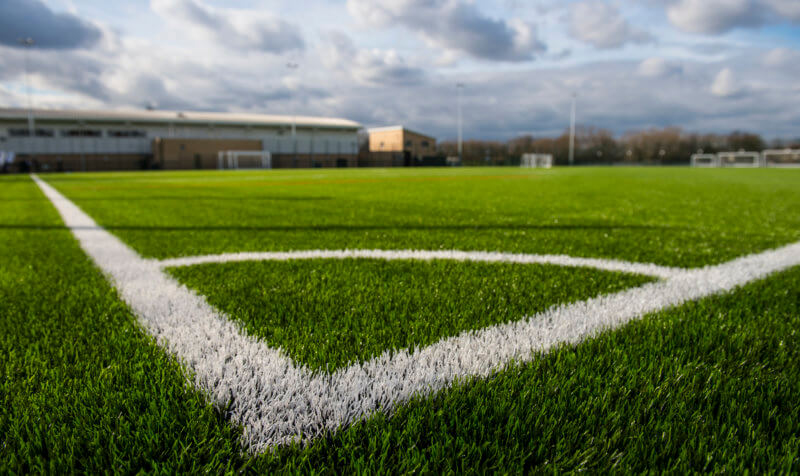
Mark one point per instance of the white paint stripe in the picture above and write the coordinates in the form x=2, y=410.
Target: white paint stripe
x=278, y=401
x=455, y=255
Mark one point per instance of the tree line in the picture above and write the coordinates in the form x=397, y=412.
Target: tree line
x=669, y=145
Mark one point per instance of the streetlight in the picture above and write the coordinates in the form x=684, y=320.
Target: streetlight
x=572, y=132
x=27, y=43
x=293, y=66
x=459, y=87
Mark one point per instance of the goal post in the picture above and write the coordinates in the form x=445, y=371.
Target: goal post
x=244, y=159
x=705, y=160
x=543, y=161
x=739, y=159
x=781, y=158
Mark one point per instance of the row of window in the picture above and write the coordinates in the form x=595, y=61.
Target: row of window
x=25, y=132
x=423, y=143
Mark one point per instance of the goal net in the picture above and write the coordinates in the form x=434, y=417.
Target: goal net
x=781, y=158
x=739, y=159
x=705, y=160
x=544, y=161
x=244, y=159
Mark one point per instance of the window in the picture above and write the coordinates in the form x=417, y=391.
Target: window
x=26, y=133
x=127, y=134
x=81, y=133
x=408, y=143
x=425, y=143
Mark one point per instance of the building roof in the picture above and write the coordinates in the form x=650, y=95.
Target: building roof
x=394, y=128
x=178, y=117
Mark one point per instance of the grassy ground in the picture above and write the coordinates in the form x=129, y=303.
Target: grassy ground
x=670, y=216
x=711, y=386
x=330, y=313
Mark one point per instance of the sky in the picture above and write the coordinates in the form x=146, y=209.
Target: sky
x=702, y=65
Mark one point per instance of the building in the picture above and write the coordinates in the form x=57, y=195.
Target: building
x=81, y=140
x=397, y=145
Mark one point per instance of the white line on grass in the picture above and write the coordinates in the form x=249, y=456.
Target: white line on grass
x=423, y=255
x=278, y=401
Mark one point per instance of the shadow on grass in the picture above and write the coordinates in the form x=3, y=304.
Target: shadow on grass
x=168, y=198
x=337, y=227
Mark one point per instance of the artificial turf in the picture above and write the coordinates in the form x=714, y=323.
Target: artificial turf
x=711, y=386
x=331, y=313
x=671, y=216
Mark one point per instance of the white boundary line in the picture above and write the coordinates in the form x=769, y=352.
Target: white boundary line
x=455, y=255
x=279, y=401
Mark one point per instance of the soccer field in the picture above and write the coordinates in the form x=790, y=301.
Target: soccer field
x=410, y=320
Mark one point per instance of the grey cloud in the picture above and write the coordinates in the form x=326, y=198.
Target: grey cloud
x=788, y=9
x=714, y=16
x=720, y=16
x=454, y=25
x=67, y=70
x=602, y=25
x=50, y=30
x=237, y=29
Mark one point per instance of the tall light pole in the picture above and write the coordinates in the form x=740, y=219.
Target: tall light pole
x=27, y=43
x=572, y=133
x=459, y=87
x=292, y=67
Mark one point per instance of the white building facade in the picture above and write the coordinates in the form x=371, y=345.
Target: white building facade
x=118, y=140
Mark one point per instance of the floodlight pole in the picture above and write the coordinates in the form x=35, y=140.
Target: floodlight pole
x=459, y=87
x=292, y=67
x=572, y=133
x=27, y=43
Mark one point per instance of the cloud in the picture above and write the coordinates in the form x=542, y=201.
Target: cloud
x=714, y=16
x=50, y=30
x=725, y=84
x=602, y=25
x=368, y=66
x=788, y=9
x=658, y=68
x=250, y=30
x=779, y=57
x=453, y=25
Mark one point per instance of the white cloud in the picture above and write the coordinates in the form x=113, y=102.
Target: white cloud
x=453, y=25
x=657, y=68
x=240, y=29
x=367, y=66
x=602, y=25
x=782, y=57
x=725, y=84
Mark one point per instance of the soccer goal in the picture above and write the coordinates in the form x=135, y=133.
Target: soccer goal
x=739, y=159
x=244, y=159
x=782, y=158
x=544, y=161
x=705, y=160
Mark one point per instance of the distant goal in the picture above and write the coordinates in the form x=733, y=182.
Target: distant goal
x=705, y=160
x=541, y=161
x=244, y=159
x=739, y=159
x=781, y=158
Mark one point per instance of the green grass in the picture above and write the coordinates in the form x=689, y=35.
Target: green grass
x=671, y=216
x=711, y=386
x=82, y=388
x=330, y=313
